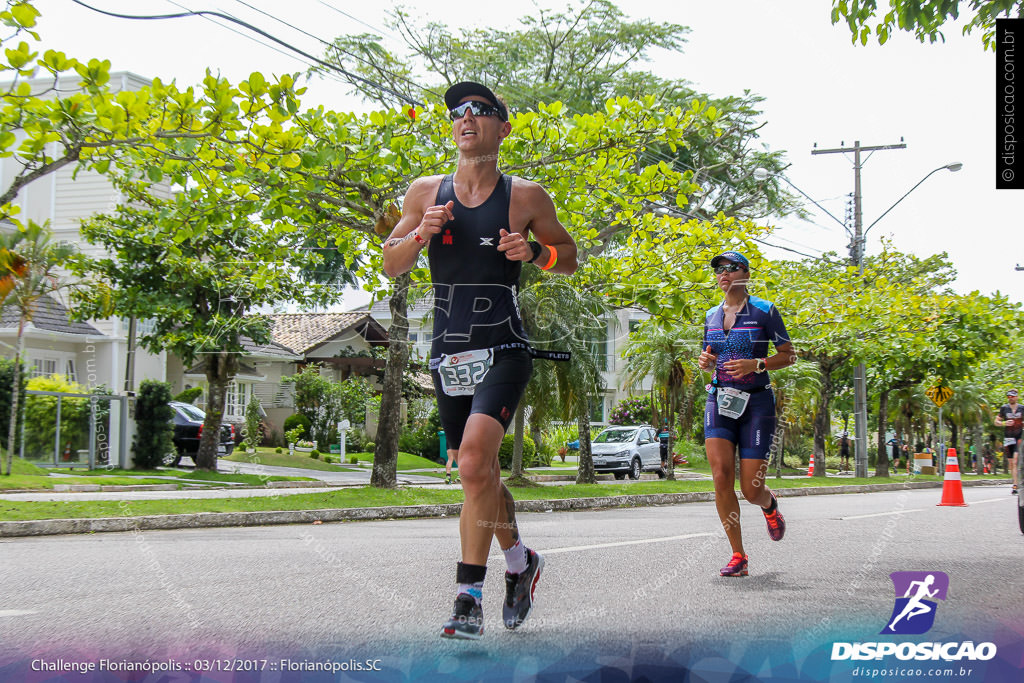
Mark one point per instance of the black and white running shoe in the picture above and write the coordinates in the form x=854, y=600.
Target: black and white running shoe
x=467, y=619
x=519, y=589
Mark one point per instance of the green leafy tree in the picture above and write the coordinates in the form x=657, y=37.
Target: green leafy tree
x=924, y=19
x=936, y=334
x=320, y=400
x=581, y=56
x=355, y=392
x=621, y=171
x=32, y=266
x=200, y=261
x=668, y=356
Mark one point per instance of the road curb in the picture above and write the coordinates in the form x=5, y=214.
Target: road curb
x=201, y=520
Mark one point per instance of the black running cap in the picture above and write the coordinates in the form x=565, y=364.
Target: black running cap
x=458, y=92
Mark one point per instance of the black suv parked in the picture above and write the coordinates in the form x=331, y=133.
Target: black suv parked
x=188, y=427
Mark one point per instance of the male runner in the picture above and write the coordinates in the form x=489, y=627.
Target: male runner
x=1011, y=419
x=474, y=226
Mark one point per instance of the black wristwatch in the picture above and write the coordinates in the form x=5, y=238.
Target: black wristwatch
x=535, y=246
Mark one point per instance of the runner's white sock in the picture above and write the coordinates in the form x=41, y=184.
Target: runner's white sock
x=516, y=558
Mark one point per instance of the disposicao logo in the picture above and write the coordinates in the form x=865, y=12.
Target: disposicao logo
x=914, y=614
x=916, y=594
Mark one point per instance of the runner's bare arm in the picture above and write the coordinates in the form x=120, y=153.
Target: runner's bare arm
x=419, y=223
x=546, y=229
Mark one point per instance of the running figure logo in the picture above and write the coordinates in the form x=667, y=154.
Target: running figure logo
x=914, y=611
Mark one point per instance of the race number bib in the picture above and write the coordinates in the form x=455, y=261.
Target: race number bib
x=1010, y=441
x=461, y=372
x=732, y=402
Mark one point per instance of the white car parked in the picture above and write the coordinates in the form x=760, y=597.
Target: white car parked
x=627, y=450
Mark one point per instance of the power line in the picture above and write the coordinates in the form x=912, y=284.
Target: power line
x=226, y=17
x=334, y=46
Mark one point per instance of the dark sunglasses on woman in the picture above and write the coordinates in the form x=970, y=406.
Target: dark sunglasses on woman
x=728, y=268
x=478, y=109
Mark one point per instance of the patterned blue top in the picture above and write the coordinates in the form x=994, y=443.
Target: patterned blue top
x=757, y=323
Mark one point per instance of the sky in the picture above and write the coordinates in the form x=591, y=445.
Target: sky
x=819, y=89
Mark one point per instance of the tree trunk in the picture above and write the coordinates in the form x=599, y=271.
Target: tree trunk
x=686, y=411
x=882, y=462
x=976, y=442
x=954, y=441
x=220, y=370
x=822, y=420
x=385, y=455
x=519, y=426
x=12, y=430
x=585, y=473
x=535, y=433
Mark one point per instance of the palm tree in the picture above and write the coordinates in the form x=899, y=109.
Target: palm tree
x=965, y=410
x=561, y=316
x=797, y=390
x=667, y=354
x=30, y=269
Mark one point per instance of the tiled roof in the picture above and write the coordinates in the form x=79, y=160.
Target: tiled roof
x=305, y=331
x=382, y=308
x=272, y=349
x=48, y=314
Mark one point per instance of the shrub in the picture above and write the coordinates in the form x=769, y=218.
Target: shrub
x=154, y=430
x=253, y=422
x=279, y=450
x=369, y=447
x=423, y=440
x=243, y=445
x=505, y=452
x=315, y=454
x=355, y=440
x=328, y=459
x=353, y=459
x=189, y=395
x=40, y=416
x=296, y=420
x=6, y=384
x=632, y=410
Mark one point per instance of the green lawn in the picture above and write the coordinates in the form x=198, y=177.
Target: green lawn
x=26, y=476
x=371, y=497
x=268, y=456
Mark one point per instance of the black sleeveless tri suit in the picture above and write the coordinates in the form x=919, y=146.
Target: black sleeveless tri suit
x=476, y=307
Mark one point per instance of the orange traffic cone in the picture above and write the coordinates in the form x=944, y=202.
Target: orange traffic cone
x=810, y=472
x=952, y=489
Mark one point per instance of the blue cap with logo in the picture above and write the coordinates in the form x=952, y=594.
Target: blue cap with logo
x=734, y=256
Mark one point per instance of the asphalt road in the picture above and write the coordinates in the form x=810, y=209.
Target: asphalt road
x=622, y=589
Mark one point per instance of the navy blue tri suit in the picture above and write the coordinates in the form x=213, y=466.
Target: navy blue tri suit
x=756, y=324
x=475, y=307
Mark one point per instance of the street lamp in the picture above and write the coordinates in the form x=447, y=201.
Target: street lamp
x=953, y=168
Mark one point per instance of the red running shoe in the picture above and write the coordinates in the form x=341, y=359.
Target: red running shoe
x=776, y=522
x=737, y=566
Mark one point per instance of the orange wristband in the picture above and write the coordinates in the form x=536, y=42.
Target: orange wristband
x=552, y=260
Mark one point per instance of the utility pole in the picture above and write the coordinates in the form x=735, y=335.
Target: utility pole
x=860, y=394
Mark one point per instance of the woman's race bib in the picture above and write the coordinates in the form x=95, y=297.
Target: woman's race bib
x=731, y=402
x=461, y=372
